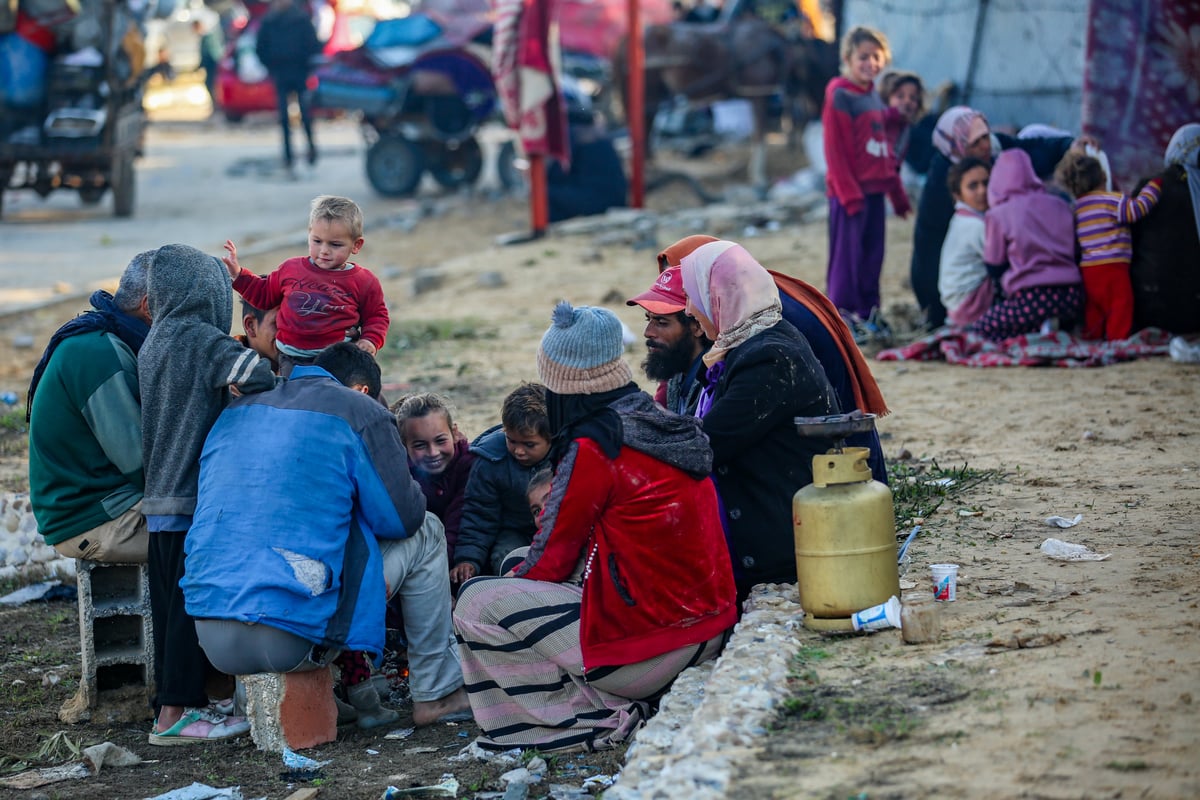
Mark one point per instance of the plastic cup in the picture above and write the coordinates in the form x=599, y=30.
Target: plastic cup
x=945, y=582
x=875, y=618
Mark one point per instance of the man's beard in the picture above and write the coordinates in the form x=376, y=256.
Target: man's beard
x=664, y=363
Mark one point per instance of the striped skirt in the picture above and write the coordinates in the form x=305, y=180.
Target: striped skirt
x=523, y=666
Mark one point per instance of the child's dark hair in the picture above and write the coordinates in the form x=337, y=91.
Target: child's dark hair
x=542, y=477
x=414, y=406
x=352, y=366
x=891, y=82
x=525, y=410
x=955, y=175
x=860, y=35
x=1079, y=173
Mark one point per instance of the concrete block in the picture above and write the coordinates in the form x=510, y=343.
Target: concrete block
x=293, y=710
x=116, y=634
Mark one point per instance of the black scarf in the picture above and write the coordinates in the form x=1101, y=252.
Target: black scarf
x=585, y=416
x=104, y=316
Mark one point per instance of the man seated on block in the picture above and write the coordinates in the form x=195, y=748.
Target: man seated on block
x=350, y=531
x=85, y=428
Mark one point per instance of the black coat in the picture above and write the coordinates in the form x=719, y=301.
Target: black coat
x=759, y=460
x=286, y=44
x=1166, y=261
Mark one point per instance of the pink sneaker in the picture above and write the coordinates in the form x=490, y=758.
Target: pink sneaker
x=200, y=725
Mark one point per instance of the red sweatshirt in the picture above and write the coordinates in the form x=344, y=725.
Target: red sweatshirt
x=858, y=154
x=317, y=306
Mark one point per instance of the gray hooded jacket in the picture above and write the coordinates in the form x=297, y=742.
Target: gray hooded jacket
x=185, y=369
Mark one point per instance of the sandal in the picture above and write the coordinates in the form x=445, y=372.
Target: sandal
x=200, y=725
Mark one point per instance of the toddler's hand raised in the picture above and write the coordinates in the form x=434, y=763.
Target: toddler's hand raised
x=363, y=344
x=231, y=261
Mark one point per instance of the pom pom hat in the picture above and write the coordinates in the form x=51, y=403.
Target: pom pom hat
x=581, y=351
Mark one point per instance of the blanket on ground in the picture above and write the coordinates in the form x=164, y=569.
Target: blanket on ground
x=1058, y=349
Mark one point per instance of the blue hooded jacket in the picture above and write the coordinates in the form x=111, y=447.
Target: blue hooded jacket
x=296, y=485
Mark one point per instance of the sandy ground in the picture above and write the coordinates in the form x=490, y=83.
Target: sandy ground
x=1105, y=708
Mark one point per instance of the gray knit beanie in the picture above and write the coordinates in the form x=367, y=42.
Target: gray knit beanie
x=581, y=351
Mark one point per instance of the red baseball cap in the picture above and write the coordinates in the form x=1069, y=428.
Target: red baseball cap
x=665, y=296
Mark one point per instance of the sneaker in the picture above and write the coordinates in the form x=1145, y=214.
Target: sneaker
x=224, y=707
x=878, y=327
x=857, y=327
x=200, y=725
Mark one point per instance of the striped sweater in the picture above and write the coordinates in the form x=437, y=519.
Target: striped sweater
x=1102, y=221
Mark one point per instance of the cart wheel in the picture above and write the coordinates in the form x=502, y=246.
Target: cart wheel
x=506, y=167
x=394, y=166
x=123, y=186
x=456, y=166
x=90, y=195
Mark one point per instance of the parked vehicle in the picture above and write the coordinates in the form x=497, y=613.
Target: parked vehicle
x=77, y=120
x=422, y=88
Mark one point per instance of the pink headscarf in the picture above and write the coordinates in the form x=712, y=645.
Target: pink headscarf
x=956, y=128
x=728, y=286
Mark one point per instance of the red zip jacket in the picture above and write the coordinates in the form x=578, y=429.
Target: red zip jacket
x=658, y=575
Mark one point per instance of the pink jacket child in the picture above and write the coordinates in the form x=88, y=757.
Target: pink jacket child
x=1029, y=240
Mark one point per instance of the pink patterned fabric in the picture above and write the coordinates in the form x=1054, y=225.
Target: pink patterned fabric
x=1141, y=79
x=525, y=80
x=1057, y=349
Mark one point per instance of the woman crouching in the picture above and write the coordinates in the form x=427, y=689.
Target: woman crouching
x=628, y=581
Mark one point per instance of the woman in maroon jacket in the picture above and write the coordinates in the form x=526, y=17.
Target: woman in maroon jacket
x=627, y=583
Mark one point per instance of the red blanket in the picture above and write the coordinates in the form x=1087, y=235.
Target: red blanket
x=1031, y=350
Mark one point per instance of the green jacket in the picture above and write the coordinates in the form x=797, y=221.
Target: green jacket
x=85, y=437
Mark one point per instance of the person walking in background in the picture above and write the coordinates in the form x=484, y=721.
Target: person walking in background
x=862, y=167
x=286, y=45
x=212, y=47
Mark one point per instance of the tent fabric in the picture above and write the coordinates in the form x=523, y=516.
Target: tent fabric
x=1025, y=66
x=1142, y=80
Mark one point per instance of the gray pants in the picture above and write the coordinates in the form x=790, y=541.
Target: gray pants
x=415, y=569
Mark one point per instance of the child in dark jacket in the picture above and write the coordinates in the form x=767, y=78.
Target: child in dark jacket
x=496, y=517
x=439, y=457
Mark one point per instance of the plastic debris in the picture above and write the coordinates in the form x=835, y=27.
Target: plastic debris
x=521, y=775
x=473, y=752
x=598, y=782
x=293, y=760
x=907, y=541
x=446, y=787
x=200, y=791
x=400, y=733
x=46, y=590
x=1063, y=522
x=1068, y=551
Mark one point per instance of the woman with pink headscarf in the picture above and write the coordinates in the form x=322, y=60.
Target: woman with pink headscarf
x=961, y=132
x=760, y=374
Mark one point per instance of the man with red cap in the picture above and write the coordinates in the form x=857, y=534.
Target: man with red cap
x=674, y=343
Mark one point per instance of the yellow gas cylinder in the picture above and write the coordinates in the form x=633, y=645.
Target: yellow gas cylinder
x=845, y=541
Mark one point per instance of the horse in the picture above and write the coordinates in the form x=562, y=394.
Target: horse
x=743, y=57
